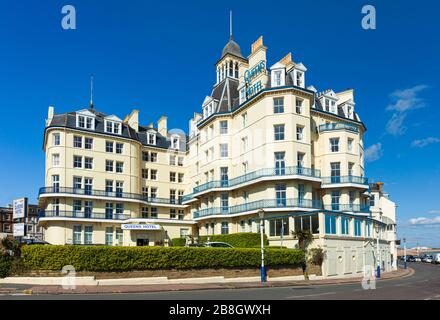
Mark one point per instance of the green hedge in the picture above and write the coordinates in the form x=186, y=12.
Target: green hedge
x=5, y=266
x=178, y=242
x=104, y=258
x=237, y=240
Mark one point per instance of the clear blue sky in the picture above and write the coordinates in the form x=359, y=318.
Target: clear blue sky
x=159, y=57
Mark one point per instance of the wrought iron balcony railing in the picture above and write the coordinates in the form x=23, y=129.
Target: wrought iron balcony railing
x=345, y=179
x=260, y=204
x=338, y=126
x=108, y=194
x=82, y=215
x=347, y=208
x=266, y=172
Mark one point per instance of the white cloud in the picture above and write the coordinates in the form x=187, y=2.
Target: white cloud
x=403, y=101
x=374, y=152
x=434, y=211
x=424, y=221
x=424, y=142
x=406, y=99
x=395, y=124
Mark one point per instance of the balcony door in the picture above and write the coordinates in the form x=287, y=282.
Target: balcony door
x=280, y=163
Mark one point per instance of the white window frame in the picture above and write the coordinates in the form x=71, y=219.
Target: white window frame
x=151, y=137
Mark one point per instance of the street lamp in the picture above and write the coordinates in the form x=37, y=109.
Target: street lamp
x=262, y=270
x=376, y=227
x=404, y=253
x=283, y=223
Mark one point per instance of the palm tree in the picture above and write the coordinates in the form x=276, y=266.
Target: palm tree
x=305, y=238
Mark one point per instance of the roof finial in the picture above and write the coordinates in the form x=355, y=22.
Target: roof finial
x=230, y=24
x=91, y=91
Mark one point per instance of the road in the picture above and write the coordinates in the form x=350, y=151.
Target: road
x=424, y=284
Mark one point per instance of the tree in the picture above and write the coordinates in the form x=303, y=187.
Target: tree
x=305, y=238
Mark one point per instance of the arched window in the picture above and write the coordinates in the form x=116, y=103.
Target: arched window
x=236, y=70
x=231, y=67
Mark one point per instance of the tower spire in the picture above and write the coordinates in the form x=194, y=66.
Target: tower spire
x=230, y=24
x=91, y=92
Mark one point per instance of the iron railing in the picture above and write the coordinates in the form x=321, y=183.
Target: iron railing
x=108, y=194
x=345, y=179
x=82, y=215
x=338, y=126
x=266, y=172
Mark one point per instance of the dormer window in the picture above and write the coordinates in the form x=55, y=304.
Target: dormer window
x=278, y=75
x=85, y=120
x=112, y=127
x=299, y=79
x=175, y=142
x=350, y=112
x=333, y=108
x=277, y=78
x=151, y=137
x=81, y=122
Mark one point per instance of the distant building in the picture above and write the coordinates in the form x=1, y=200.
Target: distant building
x=383, y=209
x=6, y=221
x=33, y=230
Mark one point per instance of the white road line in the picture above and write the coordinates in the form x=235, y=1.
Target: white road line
x=310, y=295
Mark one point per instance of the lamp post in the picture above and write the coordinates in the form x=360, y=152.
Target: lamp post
x=378, y=251
x=282, y=231
x=404, y=253
x=263, y=269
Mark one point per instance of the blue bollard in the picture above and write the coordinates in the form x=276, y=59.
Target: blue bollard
x=378, y=272
x=263, y=274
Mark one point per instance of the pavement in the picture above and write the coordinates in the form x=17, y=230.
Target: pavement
x=11, y=290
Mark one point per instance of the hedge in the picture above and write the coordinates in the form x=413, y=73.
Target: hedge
x=105, y=258
x=178, y=242
x=5, y=266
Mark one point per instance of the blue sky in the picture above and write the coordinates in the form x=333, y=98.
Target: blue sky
x=159, y=57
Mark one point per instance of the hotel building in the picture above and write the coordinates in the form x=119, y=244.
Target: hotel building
x=263, y=140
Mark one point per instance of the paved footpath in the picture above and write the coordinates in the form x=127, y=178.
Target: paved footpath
x=121, y=289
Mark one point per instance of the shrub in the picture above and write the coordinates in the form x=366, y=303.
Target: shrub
x=316, y=256
x=237, y=240
x=5, y=265
x=101, y=258
x=178, y=242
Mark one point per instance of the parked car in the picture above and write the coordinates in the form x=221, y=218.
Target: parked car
x=410, y=259
x=218, y=245
x=34, y=241
x=427, y=258
x=194, y=245
x=417, y=259
x=436, y=258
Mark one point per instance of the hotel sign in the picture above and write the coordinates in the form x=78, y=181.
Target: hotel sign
x=250, y=75
x=19, y=208
x=140, y=227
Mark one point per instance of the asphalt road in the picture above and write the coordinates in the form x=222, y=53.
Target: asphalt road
x=424, y=284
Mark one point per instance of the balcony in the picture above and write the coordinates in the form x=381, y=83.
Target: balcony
x=260, y=204
x=251, y=176
x=82, y=215
x=345, y=179
x=107, y=194
x=338, y=126
x=348, y=208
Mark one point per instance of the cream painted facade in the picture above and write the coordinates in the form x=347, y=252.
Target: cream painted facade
x=264, y=140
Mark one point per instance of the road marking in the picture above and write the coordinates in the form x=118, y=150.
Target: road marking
x=311, y=295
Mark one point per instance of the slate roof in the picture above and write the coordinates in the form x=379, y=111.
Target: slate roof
x=68, y=120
